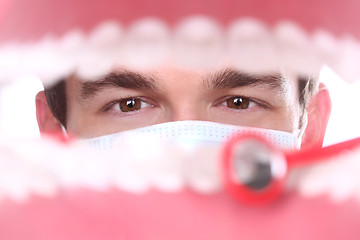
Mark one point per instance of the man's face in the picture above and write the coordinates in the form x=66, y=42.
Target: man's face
x=126, y=100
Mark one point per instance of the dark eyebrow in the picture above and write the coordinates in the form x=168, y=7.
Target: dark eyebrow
x=232, y=79
x=124, y=79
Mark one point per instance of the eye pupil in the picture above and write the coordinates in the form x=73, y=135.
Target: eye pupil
x=128, y=105
x=238, y=103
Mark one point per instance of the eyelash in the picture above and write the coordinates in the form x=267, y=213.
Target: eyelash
x=250, y=101
x=109, y=107
x=148, y=103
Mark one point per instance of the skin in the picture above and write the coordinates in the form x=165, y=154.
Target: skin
x=181, y=95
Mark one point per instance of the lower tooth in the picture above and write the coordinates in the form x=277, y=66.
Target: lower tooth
x=337, y=178
x=343, y=188
x=166, y=173
x=202, y=170
x=40, y=182
x=15, y=183
x=131, y=174
x=314, y=182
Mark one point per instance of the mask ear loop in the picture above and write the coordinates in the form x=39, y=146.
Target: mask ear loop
x=300, y=132
x=66, y=135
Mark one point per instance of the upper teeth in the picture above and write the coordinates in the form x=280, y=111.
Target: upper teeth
x=247, y=44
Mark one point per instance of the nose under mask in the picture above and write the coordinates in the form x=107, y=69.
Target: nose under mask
x=190, y=134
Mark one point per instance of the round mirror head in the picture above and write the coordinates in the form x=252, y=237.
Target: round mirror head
x=254, y=170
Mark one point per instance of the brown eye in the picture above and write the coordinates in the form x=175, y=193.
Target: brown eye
x=238, y=103
x=129, y=105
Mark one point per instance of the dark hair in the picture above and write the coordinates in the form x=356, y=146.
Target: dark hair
x=56, y=97
x=307, y=88
x=57, y=100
